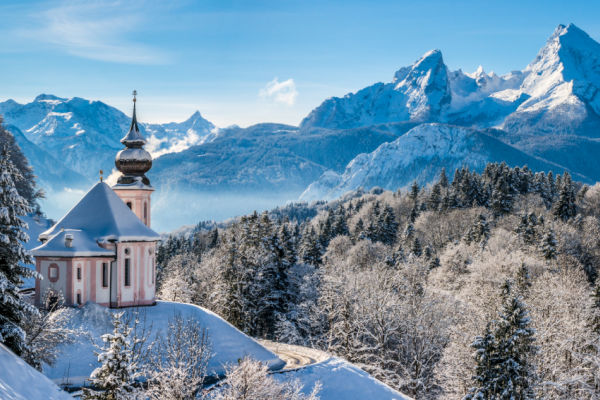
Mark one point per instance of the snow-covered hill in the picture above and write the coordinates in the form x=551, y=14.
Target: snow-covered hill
x=19, y=381
x=341, y=380
x=419, y=155
x=77, y=361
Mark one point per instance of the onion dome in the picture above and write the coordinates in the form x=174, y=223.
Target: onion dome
x=133, y=161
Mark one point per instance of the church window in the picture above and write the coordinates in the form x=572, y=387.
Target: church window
x=78, y=298
x=53, y=272
x=78, y=273
x=127, y=272
x=104, y=274
x=146, y=213
x=129, y=205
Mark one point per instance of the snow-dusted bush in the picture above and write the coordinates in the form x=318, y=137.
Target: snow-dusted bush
x=250, y=380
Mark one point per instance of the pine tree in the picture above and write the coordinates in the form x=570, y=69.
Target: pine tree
x=549, y=245
x=504, y=370
x=416, y=248
x=435, y=197
x=14, y=309
x=479, y=232
x=115, y=377
x=443, y=181
x=514, y=338
x=523, y=280
x=485, y=371
x=502, y=197
x=566, y=206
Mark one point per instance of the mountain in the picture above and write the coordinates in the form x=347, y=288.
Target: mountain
x=419, y=155
x=259, y=167
x=85, y=134
x=546, y=115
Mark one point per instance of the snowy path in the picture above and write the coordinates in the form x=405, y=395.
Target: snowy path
x=295, y=356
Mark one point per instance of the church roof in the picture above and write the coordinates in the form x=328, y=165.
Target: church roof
x=103, y=216
x=81, y=246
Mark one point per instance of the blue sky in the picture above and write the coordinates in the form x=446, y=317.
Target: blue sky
x=243, y=62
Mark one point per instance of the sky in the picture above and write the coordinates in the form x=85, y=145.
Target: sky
x=244, y=62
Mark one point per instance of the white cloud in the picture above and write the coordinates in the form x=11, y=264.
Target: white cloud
x=95, y=30
x=280, y=92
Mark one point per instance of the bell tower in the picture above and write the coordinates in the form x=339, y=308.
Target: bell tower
x=133, y=186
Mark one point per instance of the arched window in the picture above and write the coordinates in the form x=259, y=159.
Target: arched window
x=145, y=213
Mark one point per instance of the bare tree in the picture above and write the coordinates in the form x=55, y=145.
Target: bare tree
x=250, y=380
x=176, y=368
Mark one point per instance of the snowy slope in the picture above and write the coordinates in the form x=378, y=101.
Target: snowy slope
x=419, y=155
x=563, y=84
x=19, y=381
x=341, y=380
x=77, y=361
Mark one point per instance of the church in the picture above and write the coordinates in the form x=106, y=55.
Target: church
x=103, y=250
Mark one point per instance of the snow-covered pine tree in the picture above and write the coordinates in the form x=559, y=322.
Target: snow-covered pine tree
x=503, y=354
x=502, y=197
x=310, y=248
x=514, y=339
x=479, y=232
x=549, y=245
x=435, y=197
x=485, y=371
x=443, y=181
x=115, y=378
x=14, y=309
x=566, y=206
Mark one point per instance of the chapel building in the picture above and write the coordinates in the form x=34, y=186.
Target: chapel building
x=103, y=250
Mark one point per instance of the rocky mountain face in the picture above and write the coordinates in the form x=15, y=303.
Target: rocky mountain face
x=547, y=115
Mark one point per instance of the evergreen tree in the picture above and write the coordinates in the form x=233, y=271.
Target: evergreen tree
x=115, y=378
x=14, y=309
x=549, y=245
x=310, y=248
x=26, y=187
x=443, y=181
x=514, y=339
x=416, y=248
x=566, y=206
x=523, y=280
x=479, y=232
x=502, y=197
x=503, y=354
x=485, y=371
x=435, y=197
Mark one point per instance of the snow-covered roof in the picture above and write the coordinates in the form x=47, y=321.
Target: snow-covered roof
x=103, y=216
x=81, y=246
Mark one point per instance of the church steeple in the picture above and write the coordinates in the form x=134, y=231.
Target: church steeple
x=133, y=161
x=134, y=138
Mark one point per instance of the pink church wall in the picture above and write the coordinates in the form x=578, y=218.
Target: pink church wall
x=138, y=198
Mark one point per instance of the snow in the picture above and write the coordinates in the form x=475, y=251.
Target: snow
x=77, y=361
x=419, y=155
x=19, y=381
x=341, y=380
x=103, y=216
x=81, y=246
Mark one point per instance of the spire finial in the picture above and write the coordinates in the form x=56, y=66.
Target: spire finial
x=134, y=94
x=101, y=177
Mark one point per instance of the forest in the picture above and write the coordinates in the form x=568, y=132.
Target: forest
x=482, y=285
